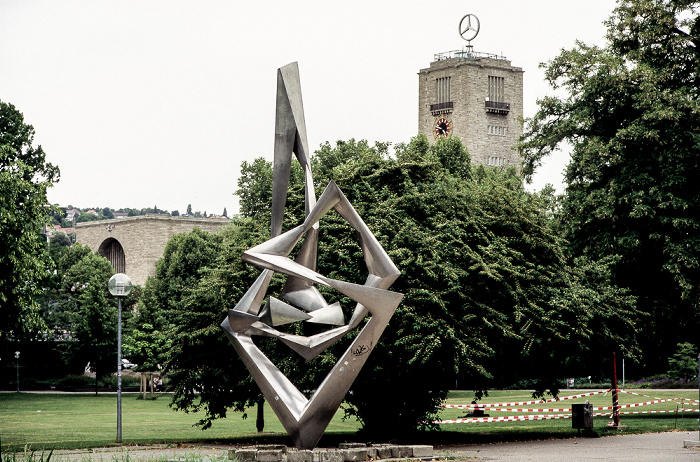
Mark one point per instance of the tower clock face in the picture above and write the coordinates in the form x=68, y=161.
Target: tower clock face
x=443, y=128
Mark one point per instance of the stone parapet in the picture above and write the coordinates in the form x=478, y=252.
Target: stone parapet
x=141, y=238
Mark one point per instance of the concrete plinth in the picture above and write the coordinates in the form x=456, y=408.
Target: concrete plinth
x=243, y=455
x=383, y=451
x=421, y=451
x=351, y=445
x=299, y=455
x=327, y=455
x=401, y=452
x=347, y=452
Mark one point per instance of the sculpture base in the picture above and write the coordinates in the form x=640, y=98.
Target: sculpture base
x=346, y=452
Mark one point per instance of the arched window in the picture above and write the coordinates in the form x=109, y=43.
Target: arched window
x=112, y=250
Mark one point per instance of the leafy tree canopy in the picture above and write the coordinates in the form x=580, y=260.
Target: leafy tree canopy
x=684, y=363
x=92, y=311
x=631, y=112
x=25, y=177
x=254, y=188
x=485, y=276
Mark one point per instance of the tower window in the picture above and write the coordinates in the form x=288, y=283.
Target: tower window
x=496, y=88
x=496, y=161
x=496, y=130
x=443, y=89
x=443, y=103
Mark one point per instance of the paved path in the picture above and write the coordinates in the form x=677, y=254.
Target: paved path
x=650, y=447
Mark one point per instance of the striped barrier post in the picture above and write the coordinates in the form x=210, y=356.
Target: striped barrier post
x=616, y=410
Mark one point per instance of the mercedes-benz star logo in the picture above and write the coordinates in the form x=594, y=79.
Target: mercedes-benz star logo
x=469, y=27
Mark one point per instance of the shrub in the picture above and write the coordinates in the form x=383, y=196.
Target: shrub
x=684, y=363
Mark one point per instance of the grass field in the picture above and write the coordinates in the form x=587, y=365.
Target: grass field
x=79, y=420
x=65, y=421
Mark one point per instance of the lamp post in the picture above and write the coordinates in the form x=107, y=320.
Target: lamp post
x=17, y=358
x=119, y=285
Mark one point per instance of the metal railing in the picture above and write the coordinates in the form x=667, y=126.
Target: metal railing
x=497, y=106
x=465, y=54
x=440, y=108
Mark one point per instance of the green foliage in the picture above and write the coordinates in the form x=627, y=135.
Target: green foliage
x=25, y=177
x=91, y=312
x=665, y=382
x=484, y=277
x=148, y=334
x=255, y=188
x=328, y=160
x=486, y=281
x=146, y=346
x=201, y=362
x=87, y=217
x=631, y=113
x=59, y=245
x=151, y=329
x=684, y=363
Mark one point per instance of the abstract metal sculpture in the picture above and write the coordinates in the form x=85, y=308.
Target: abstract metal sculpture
x=306, y=419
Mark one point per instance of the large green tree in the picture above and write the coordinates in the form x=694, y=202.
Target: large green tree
x=202, y=363
x=91, y=312
x=483, y=271
x=254, y=188
x=153, y=329
x=25, y=177
x=631, y=113
x=489, y=291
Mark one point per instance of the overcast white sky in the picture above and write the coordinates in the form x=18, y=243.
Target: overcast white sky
x=144, y=103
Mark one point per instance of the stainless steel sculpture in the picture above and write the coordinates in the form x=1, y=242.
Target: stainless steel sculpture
x=306, y=419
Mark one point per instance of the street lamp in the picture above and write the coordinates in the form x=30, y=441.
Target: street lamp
x=17, y=358
x=119, y=285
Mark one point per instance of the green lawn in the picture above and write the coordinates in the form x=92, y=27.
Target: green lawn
x=65, y=421
x=84, y=420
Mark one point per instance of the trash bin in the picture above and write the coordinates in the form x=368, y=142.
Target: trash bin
x=582, y=416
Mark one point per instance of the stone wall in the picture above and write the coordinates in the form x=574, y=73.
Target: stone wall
x=469, y=117
x=143, y=238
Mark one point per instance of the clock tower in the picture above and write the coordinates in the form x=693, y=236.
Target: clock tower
x=475, y=96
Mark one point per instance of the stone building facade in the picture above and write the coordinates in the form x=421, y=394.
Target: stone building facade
x=477, y=97
x=134, y=245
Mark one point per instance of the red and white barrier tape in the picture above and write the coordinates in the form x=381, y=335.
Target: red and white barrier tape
x=490, y=406
x=599, y=414
x=504, y=407
x=511, y=418
x=515, y=418
x=520, y=409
